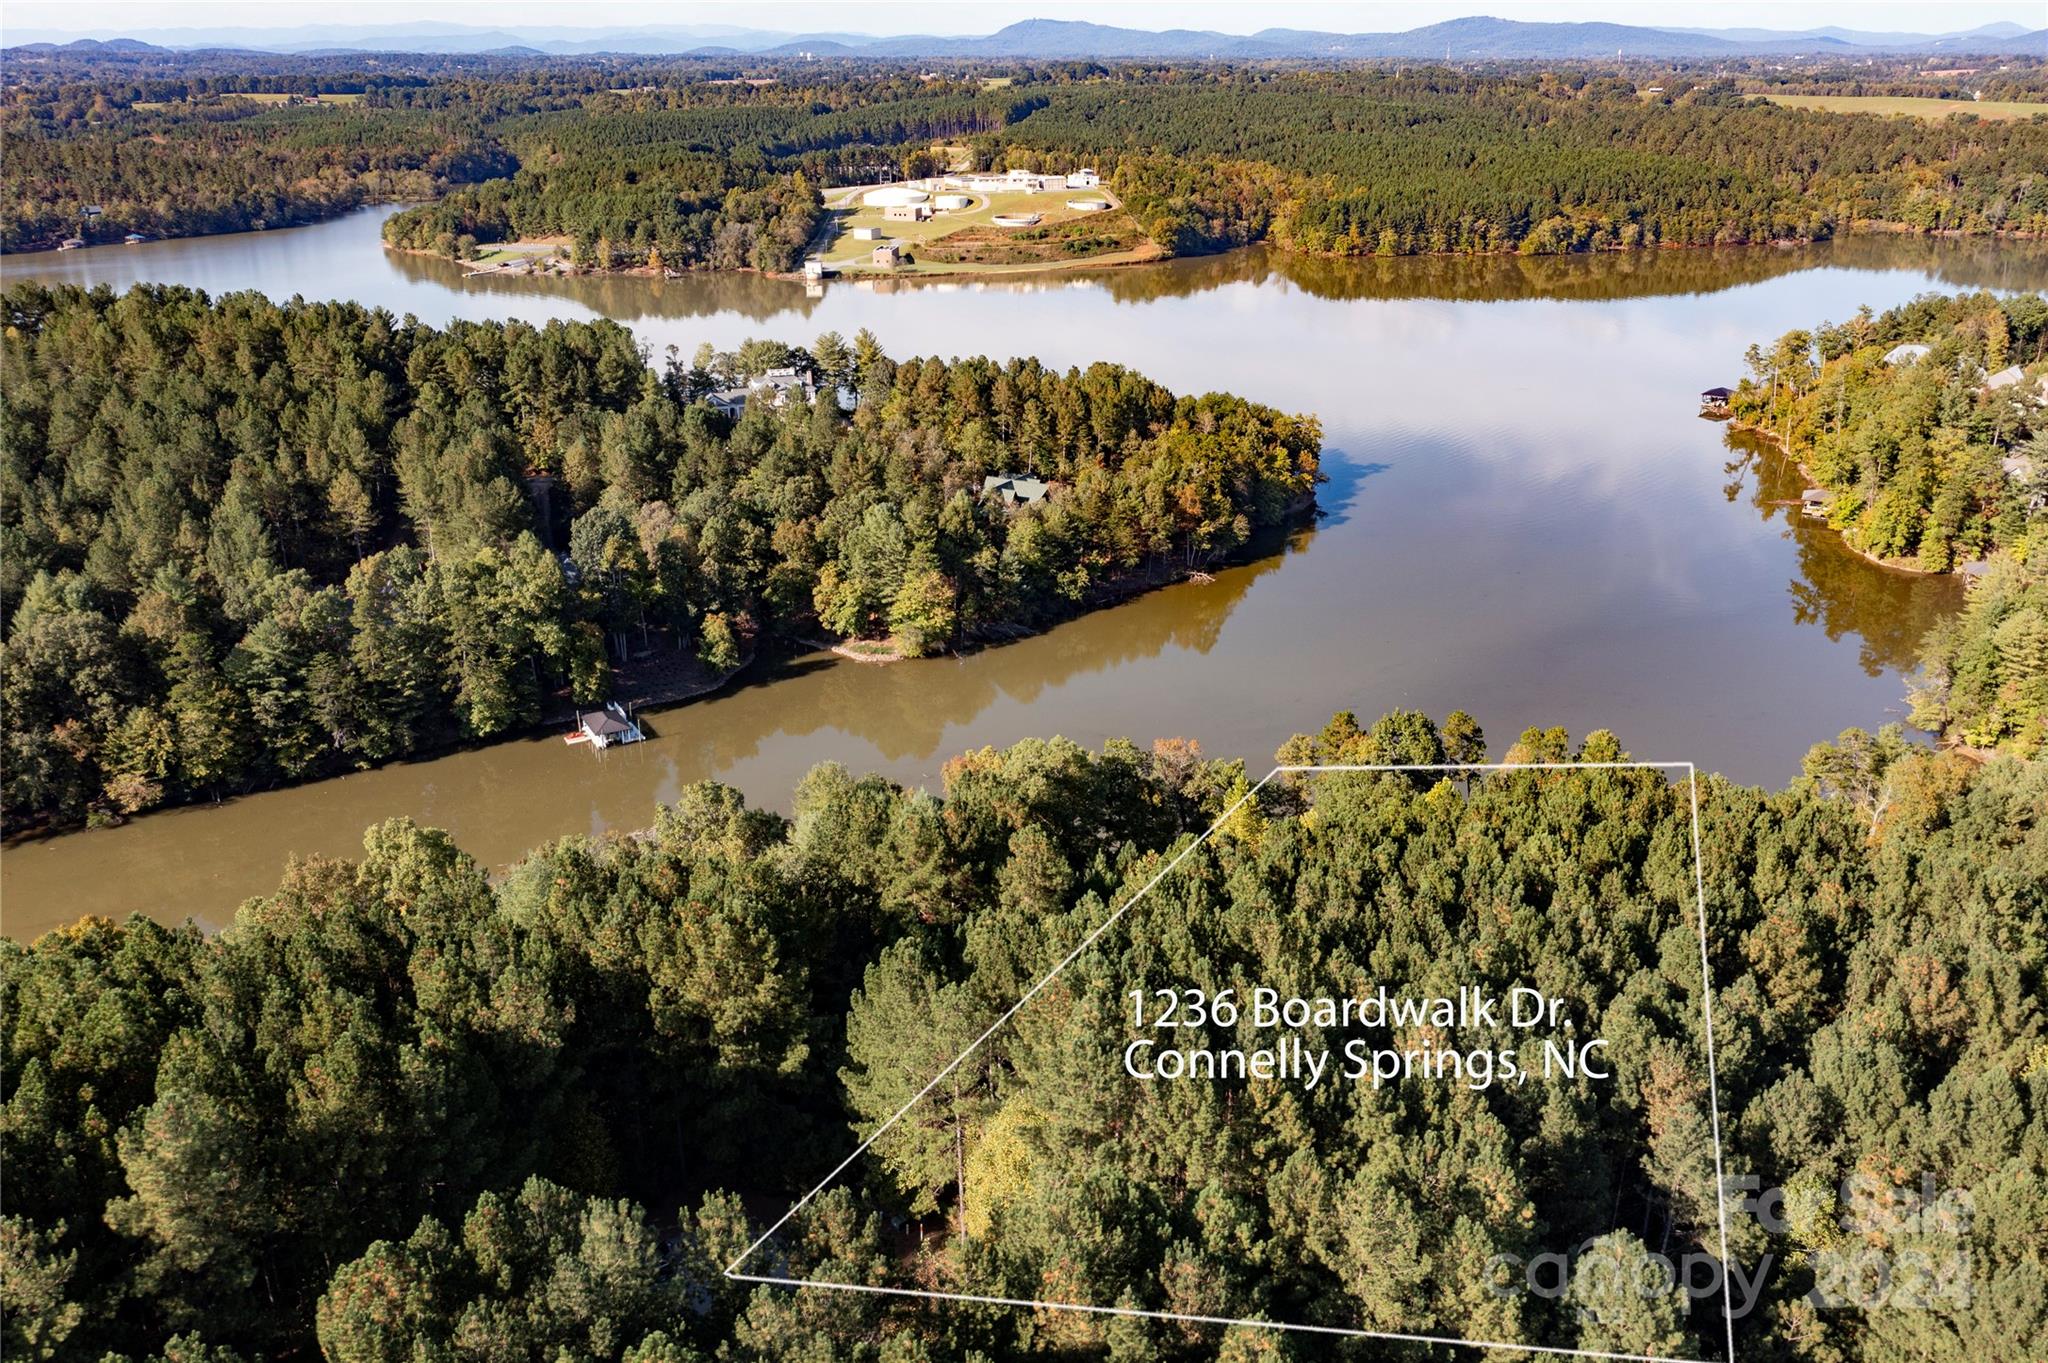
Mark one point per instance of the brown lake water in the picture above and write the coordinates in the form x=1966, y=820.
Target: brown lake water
x=1525, y=519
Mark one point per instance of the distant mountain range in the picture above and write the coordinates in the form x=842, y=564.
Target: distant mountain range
x=1456, y=39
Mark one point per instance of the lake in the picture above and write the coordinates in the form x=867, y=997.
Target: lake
x=1525, y=519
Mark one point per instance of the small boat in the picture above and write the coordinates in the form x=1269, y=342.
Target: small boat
x=133, y=239
x=71, y=243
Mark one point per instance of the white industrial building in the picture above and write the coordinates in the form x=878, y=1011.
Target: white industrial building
x=894, y=196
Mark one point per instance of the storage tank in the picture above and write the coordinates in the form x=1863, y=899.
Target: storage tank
x=894, y=196
x=952, y=202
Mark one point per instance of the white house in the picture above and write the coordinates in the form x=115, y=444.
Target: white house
x=783, y=384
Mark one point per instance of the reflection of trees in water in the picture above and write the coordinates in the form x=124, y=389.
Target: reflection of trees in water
x=1610, y=275
x=1837, y=589
x=904, y=709
x=626, y=297
x=1958, y=263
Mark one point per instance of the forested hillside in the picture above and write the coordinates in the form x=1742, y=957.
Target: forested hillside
x=682, y=162
x=226, y=166
x=1934, y=456
x=1395, y=163
x=246, y=542
x=397, y=1112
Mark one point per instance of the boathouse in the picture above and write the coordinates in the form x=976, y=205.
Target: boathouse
x=604, y=727
x=1716, y=398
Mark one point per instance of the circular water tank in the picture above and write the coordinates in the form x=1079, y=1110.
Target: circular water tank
x=894, y=196
x=952, y=201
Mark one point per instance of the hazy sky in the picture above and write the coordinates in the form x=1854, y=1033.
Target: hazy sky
x=982, y=16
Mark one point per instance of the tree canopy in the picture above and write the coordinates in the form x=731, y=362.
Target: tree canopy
x=399, y=1111
x=246, y=541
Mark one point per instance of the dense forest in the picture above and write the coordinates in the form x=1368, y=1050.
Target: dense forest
x=1983, y=677
x=682, y=163
x=228, y=166
x=399, y=1112
x=1378, y=162
x=246, y=542
x=1934, y=457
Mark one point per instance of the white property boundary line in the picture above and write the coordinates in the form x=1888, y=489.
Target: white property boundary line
x=1713, y=1096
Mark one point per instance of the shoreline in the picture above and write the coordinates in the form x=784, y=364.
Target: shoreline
x=1120, y=260
x=556, y=711
x=1111, y=592
x=1777, y=442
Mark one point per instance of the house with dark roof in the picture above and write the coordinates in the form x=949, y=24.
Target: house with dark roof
x=603, y=727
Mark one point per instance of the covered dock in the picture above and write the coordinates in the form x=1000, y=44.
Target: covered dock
x=603, y=727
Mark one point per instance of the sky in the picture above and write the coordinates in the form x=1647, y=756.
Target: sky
x=113, y=17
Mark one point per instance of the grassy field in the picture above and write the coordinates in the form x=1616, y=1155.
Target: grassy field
x=974, y=222
x=1909, y=106
x=356, y=98
x=500, y=253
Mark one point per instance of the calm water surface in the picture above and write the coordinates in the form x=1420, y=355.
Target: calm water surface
x=1524, y=519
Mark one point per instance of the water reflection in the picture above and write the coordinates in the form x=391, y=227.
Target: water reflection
x=905, y=712
x=1584, y=278
x=345, y=258
x=625, y=297
x=1889, y=612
